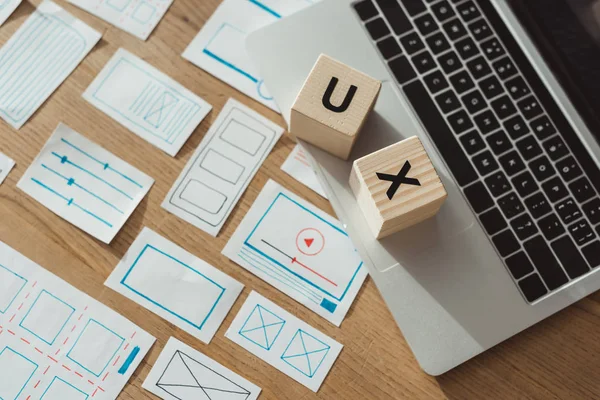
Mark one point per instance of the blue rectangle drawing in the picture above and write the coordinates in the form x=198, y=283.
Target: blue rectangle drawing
x=262, y=327
x=305, y=353
x=36, y=319
x=59, y=389
x=16, y=371
x=11, y=285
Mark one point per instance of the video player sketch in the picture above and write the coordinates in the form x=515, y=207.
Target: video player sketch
x=329, y=92
x=398, y=180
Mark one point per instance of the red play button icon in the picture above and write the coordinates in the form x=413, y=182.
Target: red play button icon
x=310, y=241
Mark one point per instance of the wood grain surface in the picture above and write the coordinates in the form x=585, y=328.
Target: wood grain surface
x=558, y=358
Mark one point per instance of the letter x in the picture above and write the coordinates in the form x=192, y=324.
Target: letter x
x=398, y=180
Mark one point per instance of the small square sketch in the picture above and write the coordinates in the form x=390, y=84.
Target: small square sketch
x=11, y=285
x=95, y=347
x=119, y=5
x=262, y=327
x=143, y=13
x=47, y=317
x=59, y=389
x=305, y=353
x=16, y=371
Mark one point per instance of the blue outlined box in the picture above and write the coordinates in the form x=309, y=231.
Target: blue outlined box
x=11, y=285
x=59, y=389
x=305, y=353
x=95, y=347
x=143, y=12
x=119, y=5
x=262, y=327
x=172, y=286
x=47, y=317
x=16, y=371
x=227, y=47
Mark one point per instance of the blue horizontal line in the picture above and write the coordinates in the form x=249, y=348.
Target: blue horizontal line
x=230, y=65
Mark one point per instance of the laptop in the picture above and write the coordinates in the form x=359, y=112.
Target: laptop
x=504, y=95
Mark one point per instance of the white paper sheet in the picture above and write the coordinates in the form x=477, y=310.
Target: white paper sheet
x=222, y=167
x=57, y=343
x=6, y=165
x=298, y=167
x=7, y=7
x=284, y=341
x=183, y=373
x=220, y=47
x=38, y=58
x=300, y=250
x=138, y=17
x=174, y=284
x=147, y=102
x=85, y=184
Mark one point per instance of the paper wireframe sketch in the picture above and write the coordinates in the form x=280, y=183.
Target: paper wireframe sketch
x=38, y=58
x=6, y=9
x=174, y=284
x=284, y=341
x=298, y=167
x=85, y=184
x=6, y=165
x=147, y=102
x=57, y=343
x=138, y=17
x=300, y=250
x=183, y=373
x=222, y=167
x=220, y=49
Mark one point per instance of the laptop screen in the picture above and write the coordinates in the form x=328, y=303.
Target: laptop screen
x=567, y=33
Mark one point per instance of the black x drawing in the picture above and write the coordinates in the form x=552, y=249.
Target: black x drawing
x=398, y=180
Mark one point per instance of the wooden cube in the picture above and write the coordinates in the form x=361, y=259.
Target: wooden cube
x=333, y=105
x=397, y=187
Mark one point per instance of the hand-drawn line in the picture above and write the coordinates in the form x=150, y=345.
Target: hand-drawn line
x=23, y=324
x=260, y=311
x=234, y=141
x=18, y=291
x=26, y=359
x=66, y=383
x=136, y=12
x=265, y=8
x=276, y=249
x=303, y=337
x=71, y=182
x=105, y=165
x=119, y=8
x=206, y=187
x=71, y=202
x=182, y=121
x=223, y=61
x=140, y=98
x=160, y=109
x=216, y=173
x=65, y=160
x=129, y=360
x=145, y=98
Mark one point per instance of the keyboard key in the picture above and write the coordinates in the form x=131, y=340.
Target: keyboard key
x=504, y=68
x=365, y=9
x=569, y=169
x=485, y=163
x=414, y=7
x=511, y=205
x=542, y=127
x=474, y=101
x=525, y=184
x=436, y=81
x=442, y=11
x=449, y=62
x=461, y=81
x=478, y=197
x=568, y=211
x=555, y=189
x=582, y=232
x=487, y=122
x=582, y=189
x=503, y=107
x=542, y=168
x=551, y=227
x=537, y=205
x=592, y=254
x=556, y=148
x=540, y=254
x=438, y=43
x=448, y=101
x=480, y=29
x=468, y=11
x=506, y=243
x=377, y=28
x=529, y=147
x=570, y=257
x=426, y=24
x=530, y=107
x=472, y=142
x=492, y=49
x=454, y=29
x=519, y=265
x=440, y=134
x=512, y=163
x=402, y=69
x=423, y=62
x=459, y=121
x=497, y=183
x=532, y=287
x=389, y=47
x=466, y=48
x=499, y=142
x=524, y=227
x=517, y=87
x=516, y=127
x=592, y=210
x=492, y=221
x=479, y=67
x=412, y=43
x=491, y=87
x=395, y=16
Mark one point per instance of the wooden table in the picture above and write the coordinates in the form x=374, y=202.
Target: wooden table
x=558, y=358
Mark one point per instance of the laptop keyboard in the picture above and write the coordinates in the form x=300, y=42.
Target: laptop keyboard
x=519, y=163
